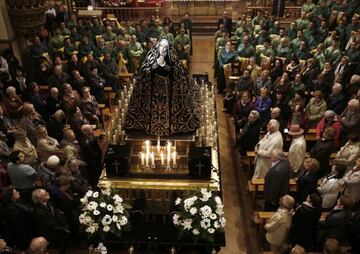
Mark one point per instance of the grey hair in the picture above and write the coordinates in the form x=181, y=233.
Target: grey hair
x=276, y=123
x=278, y=153
x=35, y=195
x=329, y=113
x=255, y=113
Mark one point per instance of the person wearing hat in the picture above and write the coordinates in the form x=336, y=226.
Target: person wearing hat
x=46, y=171
x=297, y=149
x=279, y=224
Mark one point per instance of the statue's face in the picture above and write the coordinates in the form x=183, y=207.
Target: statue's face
x=162, y=48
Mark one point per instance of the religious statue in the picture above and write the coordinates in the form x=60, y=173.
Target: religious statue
x=164, y=101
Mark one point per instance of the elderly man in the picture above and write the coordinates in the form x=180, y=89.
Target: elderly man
x=297, y=149
x=272, y=140
x=350, y=118
x=276, y=180
x=249, y=135
x=336, y=100
x=38, y=245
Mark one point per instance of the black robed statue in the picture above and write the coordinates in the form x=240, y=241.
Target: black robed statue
x=164, y=102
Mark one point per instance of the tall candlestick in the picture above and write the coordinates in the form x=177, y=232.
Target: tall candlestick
x=174, y=158
x=147, y=146
x=142, y=158
x=162, y=158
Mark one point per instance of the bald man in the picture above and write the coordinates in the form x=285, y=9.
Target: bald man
x=272, y=140
x=38, y=245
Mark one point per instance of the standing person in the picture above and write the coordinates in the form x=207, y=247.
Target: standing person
x=92, y=155
x=279, y=224
x=352, y=183
x=305, y=220
x=276, y=180
x=297, y=149
x=188, y=26
x=272, y=140
x=307, y=181
x=226, y=21
x=278, y=8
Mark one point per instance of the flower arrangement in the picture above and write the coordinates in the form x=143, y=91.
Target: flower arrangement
x=201, y=215
x=114, y=3
x=104, y=212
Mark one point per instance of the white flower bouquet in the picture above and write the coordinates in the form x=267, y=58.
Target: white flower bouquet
x=113, y=3
x=201, y=215
x=104, y=213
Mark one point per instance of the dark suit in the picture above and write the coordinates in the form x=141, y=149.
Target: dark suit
x=276, y=184
x=248, y=139
x=227, y=22
x=92, y=156
x=336, y=224
x=322, y=151
x=306, y=185
x=336, y=103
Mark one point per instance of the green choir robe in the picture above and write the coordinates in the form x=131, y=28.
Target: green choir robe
x=332, y=54
x=134, y=50
x=100, y=52
x=109, y=36
x=302, y=54
x=130, y=30
x=320, y=58
x=123, y=37
x=65, y=32
x=75, y=37
x=56, y=43
x=308, y=7
x=283, y=51
x=182, y=39
x=116, y=52
x=168, y=36
x=295, y=44
x=324, y=11
x=292, y=33
x=37, y=51
x=84, y=49
x=268, y=52
x=97, y=30
x=296, y=87
x=354, y=55
x=247, y=51
x=302, y=24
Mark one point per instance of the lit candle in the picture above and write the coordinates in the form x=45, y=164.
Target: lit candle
x=125, y=90
x=174, y=158
x=162, y=158
x=152, y=157
x=142, y=156
x=168, y=149
x=147, y=146
x=114, y=139
x=116, y=112
x=158, y=144
x=147, y=160
x=112, y=123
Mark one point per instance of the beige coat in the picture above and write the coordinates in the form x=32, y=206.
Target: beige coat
x=315, y=111
x=296, y=153
x=347, y=155
x=352, y=185
x=265, y=146
x=46, y=147
x=278, y=227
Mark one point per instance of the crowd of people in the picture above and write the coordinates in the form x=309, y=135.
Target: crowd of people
x=49, y=155
x=289, y=82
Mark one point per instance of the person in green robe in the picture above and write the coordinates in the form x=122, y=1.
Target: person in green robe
x=220, y=42
x=309, y=35
x=166, y=34
x=308, y=6
x=120, y=48
x=319, y=55
x=158, y=26
x=322, y=32
x=86, y=46
x=97, y=28
x=341, y=29
x=333, y=53
x=101, y=49
x=122, y=35
x=353, y=26
x=266, y=51
x=72, y=21
x=74, y=35
x=109, y=35
x=292, y=31
x=129, y=29
x=69, y=48
x=302, y=53
x=276, y=28
x=353, y=53
x=140, y=35
x=283, y=50
x=135, y=51
x=322, y=10
x=63, y=30
x=245, y=49
x=184, y=40
x=226, y=56
x=56, y=42
x=296, y=85
x=219, y=32
x=302, y=22
x=295, y=44
x=38, y=49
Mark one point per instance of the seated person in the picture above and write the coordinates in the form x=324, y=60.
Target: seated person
x=89, y=106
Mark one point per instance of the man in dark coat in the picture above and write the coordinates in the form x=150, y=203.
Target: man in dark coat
x=50, y=222
x=92, y=155
x=249, y=134
x=354, y=238
x=276, y=180
x=305, y=222
x=97, y=84
x=226, y=21
x=336, y=224
x=336, y=100
x=110, y=71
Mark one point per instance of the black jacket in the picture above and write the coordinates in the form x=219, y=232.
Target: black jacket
x=304, y=225
x=322, y=151
x=306, y=184
x=336, y=224
x=336, y=103
x=277, y=181
x=92, y=155
x=227, y=24
x=249, y=138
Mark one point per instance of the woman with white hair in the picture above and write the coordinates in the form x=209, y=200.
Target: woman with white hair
x=13, y=103
x=330, y=119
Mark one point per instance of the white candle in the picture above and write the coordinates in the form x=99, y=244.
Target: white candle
x=174, y=158
x=114, y=139
x=147, y=146
x=122, y=95
x=116, y=112
x=125, y=90
x=152, y=157
x=158, y=144
x=162, y=158
x=142, y=156
x=147, y=160
x=112, y=123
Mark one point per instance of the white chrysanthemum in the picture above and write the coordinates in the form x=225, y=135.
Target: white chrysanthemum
x=218, y=200
x=177, y=201
x=106, y=192
x=123, y=221
x=213, y=216
x=109, y=208
x=205, y=211
x=115, y=218
x=96, y=212
x=118, y=209
x=106, y=220
x=195, y=232
x=176, y=219
x=95, y=194
x=106, y=228
x=84, y=200
x=193, y=210
x=84, y=219
x=219, y=209
x=211, y=230
x=92, y=205
x=90, y=230
x=222, y=222
x=117, y=199
x=89, y=193
x=216, y=224
x=102, y=204
x=187, y=224
x=118, y=225
x=205, y=223
x=206, y=195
